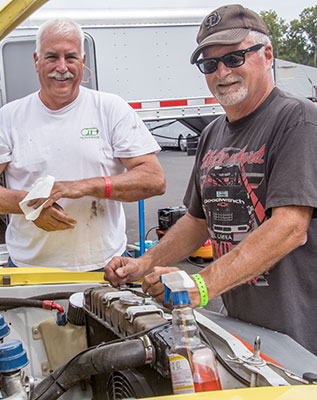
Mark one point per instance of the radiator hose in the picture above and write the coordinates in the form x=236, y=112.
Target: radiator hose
x=99, y=360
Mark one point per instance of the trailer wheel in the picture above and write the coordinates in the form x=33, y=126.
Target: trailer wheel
x=182, y=143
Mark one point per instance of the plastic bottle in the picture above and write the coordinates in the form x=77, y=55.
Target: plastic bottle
x=192, y=362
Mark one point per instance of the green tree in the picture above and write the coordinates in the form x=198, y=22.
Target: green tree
x=277, y=28
x=294, y=47
x=308, y=22
x=296, y=41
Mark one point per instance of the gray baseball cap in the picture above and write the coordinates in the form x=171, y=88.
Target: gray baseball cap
x=227, y=25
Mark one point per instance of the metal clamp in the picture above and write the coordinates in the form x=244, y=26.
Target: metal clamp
x=149, y=350
x=255, y=360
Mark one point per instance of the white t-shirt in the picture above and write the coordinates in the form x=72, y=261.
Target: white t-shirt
x=82, y=140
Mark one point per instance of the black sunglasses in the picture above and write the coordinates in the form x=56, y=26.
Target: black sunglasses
x=231, y=60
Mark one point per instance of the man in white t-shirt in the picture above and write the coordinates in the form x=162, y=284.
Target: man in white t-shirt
x=94, y=145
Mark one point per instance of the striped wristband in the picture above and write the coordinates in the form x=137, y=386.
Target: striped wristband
x=108, y=187
x=202, y=289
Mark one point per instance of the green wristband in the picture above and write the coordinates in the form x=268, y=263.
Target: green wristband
x=202, y=289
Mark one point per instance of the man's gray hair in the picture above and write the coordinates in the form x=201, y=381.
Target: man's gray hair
x=62, y=26
x=258, y=37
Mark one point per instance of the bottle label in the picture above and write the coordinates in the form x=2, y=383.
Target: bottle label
x=182, y=378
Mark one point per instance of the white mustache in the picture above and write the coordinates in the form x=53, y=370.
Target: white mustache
x=59, y=76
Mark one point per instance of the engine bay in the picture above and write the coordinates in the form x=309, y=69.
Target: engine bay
x=113, y=343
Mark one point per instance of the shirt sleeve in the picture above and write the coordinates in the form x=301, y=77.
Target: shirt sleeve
x=5, y=149
x=192, y=199
x=130, y=136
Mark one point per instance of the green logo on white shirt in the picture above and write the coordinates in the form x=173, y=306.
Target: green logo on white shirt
x=89, y=133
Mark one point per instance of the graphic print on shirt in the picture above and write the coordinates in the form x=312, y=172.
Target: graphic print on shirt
x=229, y=179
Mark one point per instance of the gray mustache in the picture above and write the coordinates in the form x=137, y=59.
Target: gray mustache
x=227, y=81
x=58, y=75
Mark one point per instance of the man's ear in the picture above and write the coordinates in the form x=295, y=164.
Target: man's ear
x=268, y=52
x=35, y=61
x=268, y=56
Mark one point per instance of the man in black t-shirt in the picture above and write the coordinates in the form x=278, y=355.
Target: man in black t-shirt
x=253, y=189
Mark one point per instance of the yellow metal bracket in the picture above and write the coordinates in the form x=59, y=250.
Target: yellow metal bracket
x=45, y=276
x=15, y=12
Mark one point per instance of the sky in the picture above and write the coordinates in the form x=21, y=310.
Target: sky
x=286, y=9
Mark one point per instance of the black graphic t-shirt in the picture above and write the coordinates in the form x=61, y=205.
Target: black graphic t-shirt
x=243, y=169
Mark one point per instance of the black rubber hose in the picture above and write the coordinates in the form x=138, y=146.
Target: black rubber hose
x=17, y=302
x=99, y=360
x=10, y=303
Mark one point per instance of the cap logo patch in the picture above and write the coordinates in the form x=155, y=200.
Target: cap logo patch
x=213, y=20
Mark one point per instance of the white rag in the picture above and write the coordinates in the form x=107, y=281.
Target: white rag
x=41, y=188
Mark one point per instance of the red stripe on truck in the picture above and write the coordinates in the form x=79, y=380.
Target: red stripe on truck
x=172, y=103
x=136, y=105
x=211, y=100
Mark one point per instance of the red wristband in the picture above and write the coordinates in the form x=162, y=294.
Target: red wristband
x=108, y=187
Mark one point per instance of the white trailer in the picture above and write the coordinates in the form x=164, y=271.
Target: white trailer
x=141, y=54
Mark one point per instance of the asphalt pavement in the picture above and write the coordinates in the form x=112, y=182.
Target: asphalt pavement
x=177, y=167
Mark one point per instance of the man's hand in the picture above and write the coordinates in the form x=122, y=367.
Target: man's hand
x=152, y=286
x=61, y=189
x=54, y=218
x=121, y=270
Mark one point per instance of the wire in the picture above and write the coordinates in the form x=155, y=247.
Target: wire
x=162, y=126
x=171, y=138
x=151, y=229
x=197, y=264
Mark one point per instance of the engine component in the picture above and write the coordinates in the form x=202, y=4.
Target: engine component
x=75, y=314
x=4, y=328
x=120, y=312
x=128, y=384
x=12, y=359
x=96, y=361
x=136, y=383
x=12, y=356
x=61, y=342
x=111, y=314
x=13, y=387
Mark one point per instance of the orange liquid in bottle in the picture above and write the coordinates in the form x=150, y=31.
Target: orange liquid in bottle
x=207, y=379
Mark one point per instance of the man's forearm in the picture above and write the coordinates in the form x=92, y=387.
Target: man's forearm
x=9, y=200
x=181, y=240
x=133, y=186
x=144, y=178
x=141, y=181
x=129, y=186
